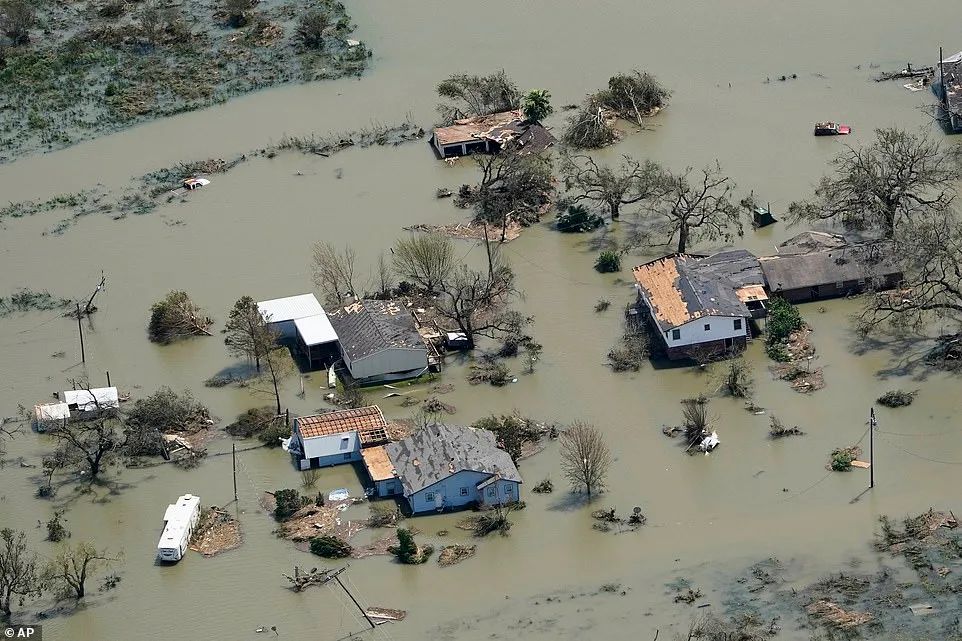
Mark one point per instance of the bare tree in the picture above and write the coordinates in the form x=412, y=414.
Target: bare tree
x=384, y=279
x=312, y=28
x=248, y=335
x=94, y=442
x=17, y=17
x=696, y=418
x=585, y=458
x=929, y=254
x=176, y=316
x=699, y=207
x=74, y=565
x=151, y=23
x=630, y=183
x=19, y=572
x=465, y=95
x=474, y=301
x=425, y=259
x=900, y=177
x=279, y=367
x=514, y=186
x=334, y=271
x=9, y=428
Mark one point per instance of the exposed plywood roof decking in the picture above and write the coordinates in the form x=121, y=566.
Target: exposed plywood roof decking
x=475, y=129
x=378, y=464
x=368, y=422
x=681, y=288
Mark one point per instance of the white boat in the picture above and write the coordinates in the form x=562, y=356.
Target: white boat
x=180, y=521
x=331, y=378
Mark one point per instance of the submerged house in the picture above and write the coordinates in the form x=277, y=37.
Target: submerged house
x=700, y=304
x=489, y=134
x=333, y=438
x=444, y=467
x=301, y=322
x=379, y=341
x=817, y=265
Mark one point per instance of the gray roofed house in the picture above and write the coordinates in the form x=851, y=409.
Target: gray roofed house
x=378, y=341
x=445, y=466
x=702, y=302
x=842, y=270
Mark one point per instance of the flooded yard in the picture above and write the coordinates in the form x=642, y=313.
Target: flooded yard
x=251, y=230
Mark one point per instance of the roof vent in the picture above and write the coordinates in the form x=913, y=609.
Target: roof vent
x=415, y=462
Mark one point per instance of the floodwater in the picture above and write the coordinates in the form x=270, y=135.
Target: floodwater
x=250, y=232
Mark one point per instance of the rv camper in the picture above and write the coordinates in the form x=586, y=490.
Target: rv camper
x=180, y=521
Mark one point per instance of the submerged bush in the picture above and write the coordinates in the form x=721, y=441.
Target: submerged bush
x=330, y=547
x=608, y=261
x=577, y=219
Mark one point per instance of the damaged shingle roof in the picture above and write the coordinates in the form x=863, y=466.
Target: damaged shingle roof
x=501, y=127
x=866, y=261
x=681, y=288
x=370, y=326
x=438, y=451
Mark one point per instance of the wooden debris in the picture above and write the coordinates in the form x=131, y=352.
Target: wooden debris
x=382, y=615
x=302, y=580
x=834, y=614
x=452, y=554
x=218, y=532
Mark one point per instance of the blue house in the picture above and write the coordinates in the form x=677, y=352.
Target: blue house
x=444, y=467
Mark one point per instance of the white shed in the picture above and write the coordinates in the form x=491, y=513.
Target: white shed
x=302, y=319
x=282, y=313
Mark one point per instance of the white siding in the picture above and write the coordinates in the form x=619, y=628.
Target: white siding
x=694, y=333
x=330, y=450
x=387, y=362
x=450, y=491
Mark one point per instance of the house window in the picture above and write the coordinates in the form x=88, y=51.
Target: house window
x=507, y=489
x=738, y=323
x=345, y=442
x=491, y=492
x=707, y=327
x=675, y=334
x=347, y=456
x=429, y=496
x=464, y=491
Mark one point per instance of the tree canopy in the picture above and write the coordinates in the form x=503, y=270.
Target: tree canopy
x=536, y=105
x=465, y=96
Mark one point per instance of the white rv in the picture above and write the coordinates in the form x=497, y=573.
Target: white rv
x=180, y=521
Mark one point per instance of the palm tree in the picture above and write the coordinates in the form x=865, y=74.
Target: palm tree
x=536, y=105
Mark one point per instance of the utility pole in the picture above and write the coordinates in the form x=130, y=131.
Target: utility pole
x=233, y=458
x=108, y=378
x=871, y=448
x=363, y=611
x=487, y=246
x=80, y=328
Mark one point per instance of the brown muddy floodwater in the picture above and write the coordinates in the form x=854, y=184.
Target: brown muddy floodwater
x=251, y=230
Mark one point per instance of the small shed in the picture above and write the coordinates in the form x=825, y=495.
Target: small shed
x=379, y=341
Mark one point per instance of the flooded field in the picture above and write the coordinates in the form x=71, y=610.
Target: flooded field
x=250, y=232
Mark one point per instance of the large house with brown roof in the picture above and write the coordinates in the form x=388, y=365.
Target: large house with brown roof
x=332, y=438
x=489, y=134
x=699, y=305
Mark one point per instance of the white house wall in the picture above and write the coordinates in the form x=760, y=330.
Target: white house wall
x=331, y=450
x=388, y=361
x=449, y=490
x=694, y=333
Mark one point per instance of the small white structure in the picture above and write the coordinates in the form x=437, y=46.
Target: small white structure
x=336, y=437
x=302, y=319
x=76, y=405
x=180, y=521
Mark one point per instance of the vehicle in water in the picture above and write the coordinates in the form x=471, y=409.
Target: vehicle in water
x=831, y=129
x=180, y=521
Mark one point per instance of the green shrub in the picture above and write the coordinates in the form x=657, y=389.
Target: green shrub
x=409, y=552
x=842, y=460
x=330, y=547
x=272, y=434
x=578, y=219
x=777, y=352
x=783, y=319
x=608, y=261
x=288, y=502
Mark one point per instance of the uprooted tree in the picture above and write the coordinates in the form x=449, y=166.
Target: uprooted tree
x=694, y=206
x=900, y=178
x=248, y=335
x=464, y=96
x=515, y=187
x=163, y=412
x=590, y=127
x=425, y=259
x=175, y=317
x=585, y=458
x=632, y=182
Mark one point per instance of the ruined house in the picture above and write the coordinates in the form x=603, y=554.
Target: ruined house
x=700, y=304
x=489, y=134
x=817, y=265
x=337, y=437
x=948, y=88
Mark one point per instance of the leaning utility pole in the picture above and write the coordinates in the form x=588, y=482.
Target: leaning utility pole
x=363, y=611
x=80, y=328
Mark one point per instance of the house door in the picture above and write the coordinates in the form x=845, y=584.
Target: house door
x=438, y=501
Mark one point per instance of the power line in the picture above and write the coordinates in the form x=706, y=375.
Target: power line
x=920, y=456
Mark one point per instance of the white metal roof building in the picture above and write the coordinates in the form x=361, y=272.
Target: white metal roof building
x=100, y=398
x=302, y=320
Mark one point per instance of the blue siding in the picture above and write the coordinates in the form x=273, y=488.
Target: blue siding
x=450, y=490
